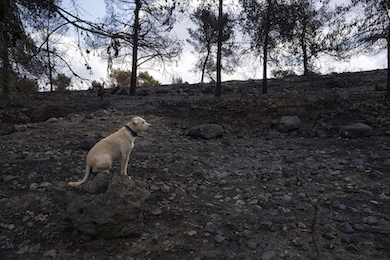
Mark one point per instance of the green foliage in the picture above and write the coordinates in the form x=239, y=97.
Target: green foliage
x=62, y=82
x=148, y=79
x=122, y=78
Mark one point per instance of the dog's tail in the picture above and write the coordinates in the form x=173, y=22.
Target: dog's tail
x=76, y=184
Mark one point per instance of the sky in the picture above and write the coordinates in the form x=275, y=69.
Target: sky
x=182, y=68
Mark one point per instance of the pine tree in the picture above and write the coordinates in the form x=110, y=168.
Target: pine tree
x=369, y=29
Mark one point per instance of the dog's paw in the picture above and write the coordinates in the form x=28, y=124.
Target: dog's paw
x=129, y=177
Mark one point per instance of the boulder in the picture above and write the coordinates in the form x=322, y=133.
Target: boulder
x=87, y=143
x=113, y=208
x=6, y=129
x=206, y=131
x=356, y=130
x=46, y=111
x=289, y=123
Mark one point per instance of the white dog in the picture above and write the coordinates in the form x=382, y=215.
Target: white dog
x=113, y=148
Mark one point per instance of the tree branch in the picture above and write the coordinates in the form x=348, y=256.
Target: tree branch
x=313, y=225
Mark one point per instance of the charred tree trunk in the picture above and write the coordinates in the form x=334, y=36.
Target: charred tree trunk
x=304, y=50
x=49, y=59
x=133, y=82
x=388, y=64
x=5, y=66
x=4, y=50
x=219, y=51
x=205, y=63
x=265, y=47
x=265, y=87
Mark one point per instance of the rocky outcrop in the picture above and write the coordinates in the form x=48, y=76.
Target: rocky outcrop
x=356, y=130
x=206, y=131
x=105, y=208
x=6, y=129
x=44, y=112
x=289, y=123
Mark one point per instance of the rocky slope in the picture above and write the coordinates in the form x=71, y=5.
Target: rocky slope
x=243, y=195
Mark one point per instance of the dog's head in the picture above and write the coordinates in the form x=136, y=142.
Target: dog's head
x=138, y=124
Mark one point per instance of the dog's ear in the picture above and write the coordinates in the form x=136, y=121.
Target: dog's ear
x=135, y=120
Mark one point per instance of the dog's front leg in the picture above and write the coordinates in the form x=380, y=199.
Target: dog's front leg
x=125, y=162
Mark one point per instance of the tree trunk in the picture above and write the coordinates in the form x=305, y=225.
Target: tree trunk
x=49, y=61
x=265, y=46
x=219, y=51
x=5, y=68
x=205, y=63
x=4, y=80
x=265, y=88
x=133, y=82
x=304, y=51
x=388, y=65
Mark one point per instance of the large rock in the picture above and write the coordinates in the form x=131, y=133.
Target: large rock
x=356, y=130
x=46, y=111
x=108, y=206
x=206, y=131
x=289, y=123
x=87, y=143
x=6, y=129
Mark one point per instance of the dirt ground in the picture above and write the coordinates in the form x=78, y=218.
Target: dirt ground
x=245, y=195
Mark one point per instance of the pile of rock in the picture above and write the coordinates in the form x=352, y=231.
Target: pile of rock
x=104, y=207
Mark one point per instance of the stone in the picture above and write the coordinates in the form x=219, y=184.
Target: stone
x=34, y=186
x=257, y=208
x=346, y=227
x=206, y=131
x=20, y=127
x=289, y=123
x=6, y=129
x=219, y=238
x=52, y=120
x=387, y=162
x=358, y=227
x=46, y=111
x=211, y=227
x=330, y=235
x=165, y=188
x=356, y=130
x=22, y=250
x=51, y=253
x=8, y=178
x=273, y=212
x=115, y=210
x=252, y=245
x=87, y=143
x=11, y=226
x=371, y=220
x=229, y=255
x=192, y=233
x=268, y=255
x=157, y=212
x=101, y=113
x=329, y=228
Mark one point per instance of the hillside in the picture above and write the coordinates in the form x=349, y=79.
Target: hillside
x=242, y=195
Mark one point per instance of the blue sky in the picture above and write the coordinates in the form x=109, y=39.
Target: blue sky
x=96, y=8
